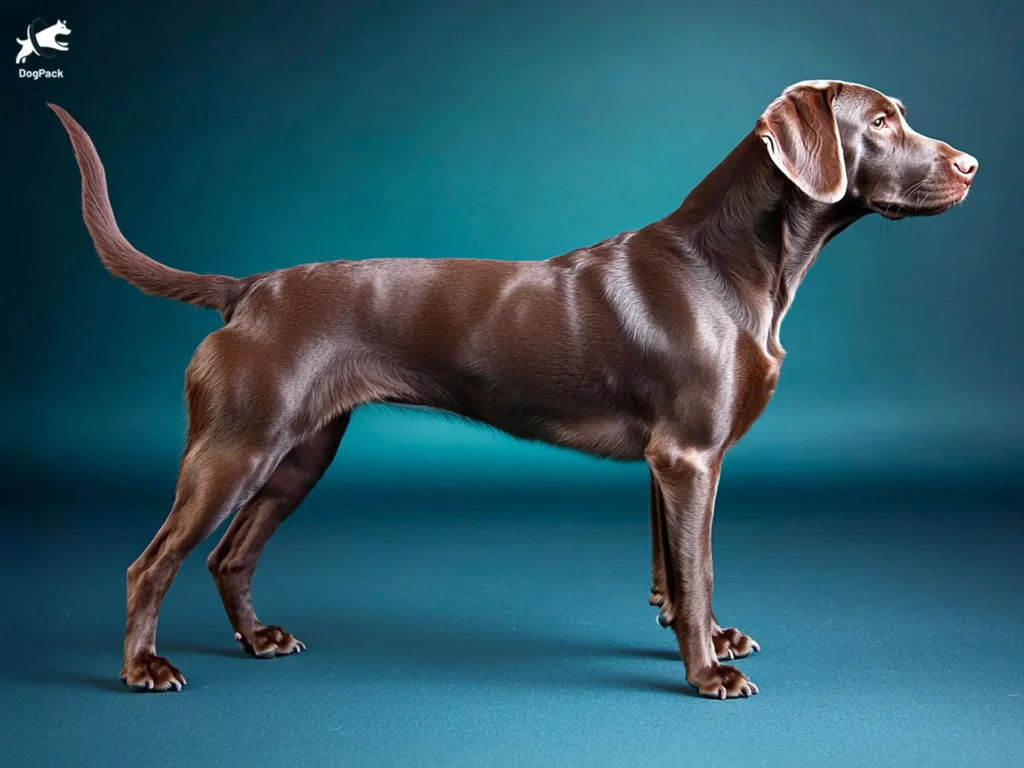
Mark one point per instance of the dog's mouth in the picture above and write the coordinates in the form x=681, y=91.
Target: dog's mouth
x=922, y=206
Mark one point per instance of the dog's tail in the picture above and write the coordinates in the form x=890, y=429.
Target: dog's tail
x=119, y=256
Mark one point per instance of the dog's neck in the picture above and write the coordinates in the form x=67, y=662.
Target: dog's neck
x=756, y=235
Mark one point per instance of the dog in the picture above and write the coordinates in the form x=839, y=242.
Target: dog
x=658, y=345
x=45, y=38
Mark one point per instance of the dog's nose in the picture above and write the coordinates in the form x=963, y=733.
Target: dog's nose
x=965, y=166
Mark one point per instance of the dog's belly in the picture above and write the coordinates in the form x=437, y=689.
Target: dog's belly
x=606, y=436
x=595, y=430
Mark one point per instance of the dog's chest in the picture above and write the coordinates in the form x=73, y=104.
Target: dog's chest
x=757, y=374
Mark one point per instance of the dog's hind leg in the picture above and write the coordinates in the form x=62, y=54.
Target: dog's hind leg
x=236, y=440
x=234, y=560
x=215, y=477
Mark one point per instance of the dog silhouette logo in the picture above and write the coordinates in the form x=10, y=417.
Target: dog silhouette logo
x=42, y=41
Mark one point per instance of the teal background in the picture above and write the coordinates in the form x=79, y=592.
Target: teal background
x=467, y=599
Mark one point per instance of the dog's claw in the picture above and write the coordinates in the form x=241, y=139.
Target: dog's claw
x=664, y=621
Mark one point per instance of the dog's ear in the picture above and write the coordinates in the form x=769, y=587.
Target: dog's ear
x=801, y=134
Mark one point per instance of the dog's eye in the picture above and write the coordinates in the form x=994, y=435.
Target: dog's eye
x=878, y=122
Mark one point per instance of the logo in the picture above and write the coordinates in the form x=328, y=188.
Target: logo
x=41, y=41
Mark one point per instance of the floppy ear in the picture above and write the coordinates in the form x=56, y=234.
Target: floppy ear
x=802, y=136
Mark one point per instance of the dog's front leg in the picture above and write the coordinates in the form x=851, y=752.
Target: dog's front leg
x=729, y=642
x=688, y=479
x=659, y=589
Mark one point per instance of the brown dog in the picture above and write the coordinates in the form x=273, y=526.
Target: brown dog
x=659, y=345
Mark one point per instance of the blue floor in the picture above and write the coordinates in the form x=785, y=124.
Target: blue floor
x=461, y=630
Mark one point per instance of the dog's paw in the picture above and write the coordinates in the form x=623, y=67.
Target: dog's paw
x=268, y=642
x=731, y=644
x=657, y=598
x=722, y=682
x=147, y=672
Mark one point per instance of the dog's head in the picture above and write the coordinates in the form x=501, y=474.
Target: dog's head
x=60, y=28
x=839, y=141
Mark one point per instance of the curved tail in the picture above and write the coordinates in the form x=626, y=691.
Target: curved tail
x=119, y=256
